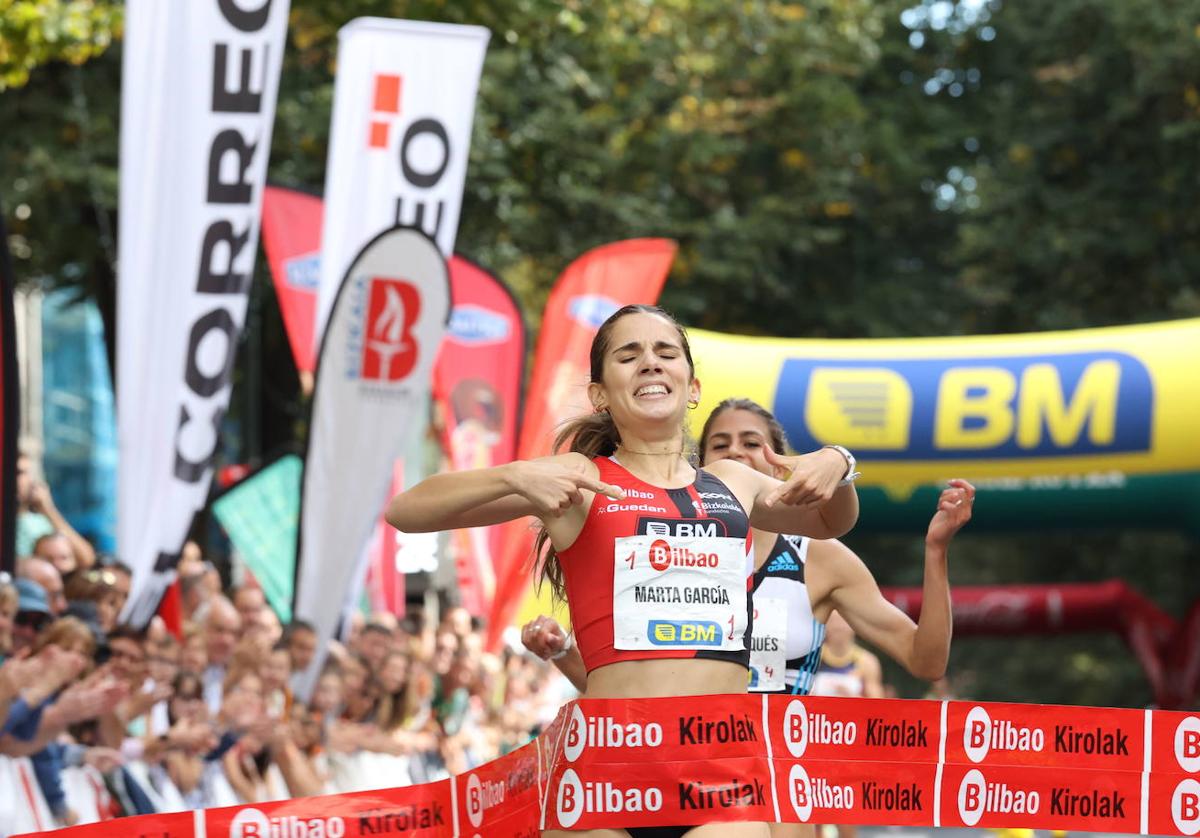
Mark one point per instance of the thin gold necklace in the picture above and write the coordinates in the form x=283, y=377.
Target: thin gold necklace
x=678, y=453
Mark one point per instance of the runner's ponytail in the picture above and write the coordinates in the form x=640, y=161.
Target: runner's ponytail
x=593, y=435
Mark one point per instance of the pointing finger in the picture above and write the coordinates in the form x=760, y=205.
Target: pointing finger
x=614, y=492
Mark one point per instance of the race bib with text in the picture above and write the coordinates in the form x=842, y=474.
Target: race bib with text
x=679, y=592
x=768, y=663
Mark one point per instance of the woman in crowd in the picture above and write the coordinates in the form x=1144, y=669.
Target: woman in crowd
x=626, y=470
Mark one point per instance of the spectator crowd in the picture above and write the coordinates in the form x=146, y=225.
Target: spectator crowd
x=101, y=720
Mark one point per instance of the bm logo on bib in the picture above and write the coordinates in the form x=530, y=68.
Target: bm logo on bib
x=936, y=409
x=684, y=633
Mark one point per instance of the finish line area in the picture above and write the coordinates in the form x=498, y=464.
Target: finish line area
x=910, y=764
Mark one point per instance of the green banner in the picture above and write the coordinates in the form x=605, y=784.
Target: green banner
x=261, y=515
x=1165, y=501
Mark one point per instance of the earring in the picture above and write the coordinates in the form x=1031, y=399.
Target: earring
x=693, y=404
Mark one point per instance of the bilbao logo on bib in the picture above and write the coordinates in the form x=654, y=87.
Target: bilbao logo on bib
x=660, y=554
x=1187, y=744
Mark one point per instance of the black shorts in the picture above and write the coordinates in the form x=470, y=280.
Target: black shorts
x=656, y=831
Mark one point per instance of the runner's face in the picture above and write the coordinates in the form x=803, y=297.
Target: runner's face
x=646, y=375
x=739, y=435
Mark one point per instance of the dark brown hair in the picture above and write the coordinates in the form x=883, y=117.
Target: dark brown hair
x=778, y=438
x=595, y=434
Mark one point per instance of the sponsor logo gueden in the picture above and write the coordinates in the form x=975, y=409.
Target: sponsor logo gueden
x=1038, y=405
x=1185, y=800
x=223, y=273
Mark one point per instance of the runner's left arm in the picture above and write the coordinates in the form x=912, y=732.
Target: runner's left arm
x=810, y=502
x=923, y=647
x=545, y=638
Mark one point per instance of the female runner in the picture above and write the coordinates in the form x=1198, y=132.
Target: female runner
x=608, y=506
x=801, y=581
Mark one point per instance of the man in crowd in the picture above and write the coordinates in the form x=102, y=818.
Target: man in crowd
x=221, y=627
x=249, y=601
x=47, y=577
x=373, y=644
x=56, y=549
x=301, y=640
x=33, y=612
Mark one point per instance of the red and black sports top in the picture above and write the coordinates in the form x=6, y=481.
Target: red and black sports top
x=686, y=526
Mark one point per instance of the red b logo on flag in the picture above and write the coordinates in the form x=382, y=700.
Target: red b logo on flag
x=389, y=347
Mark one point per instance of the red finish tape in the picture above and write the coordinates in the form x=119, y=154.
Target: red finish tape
x=720, y=758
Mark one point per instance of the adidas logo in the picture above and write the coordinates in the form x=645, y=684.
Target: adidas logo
x=782, y=562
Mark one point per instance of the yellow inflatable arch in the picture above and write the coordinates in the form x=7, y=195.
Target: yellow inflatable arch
x=1096, y=426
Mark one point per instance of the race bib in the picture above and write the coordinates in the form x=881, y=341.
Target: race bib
x=679, y=592
x=768, y=664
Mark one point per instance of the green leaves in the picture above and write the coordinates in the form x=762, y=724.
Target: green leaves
x=35, y=32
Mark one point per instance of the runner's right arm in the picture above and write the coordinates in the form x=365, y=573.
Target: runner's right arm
x=545, y=487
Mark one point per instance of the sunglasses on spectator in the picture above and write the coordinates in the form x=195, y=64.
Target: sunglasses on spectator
x=101, y=577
